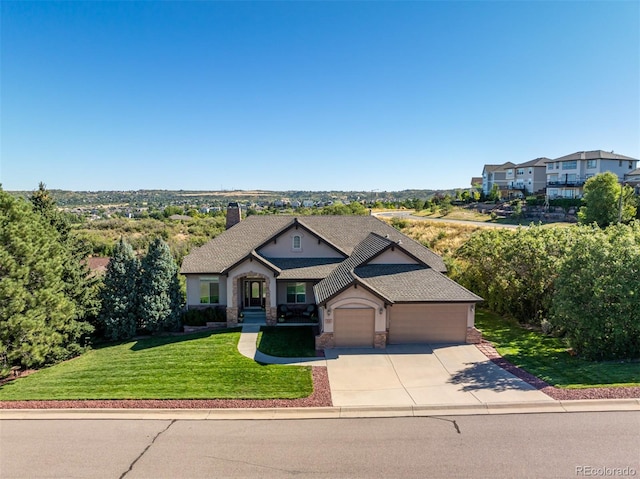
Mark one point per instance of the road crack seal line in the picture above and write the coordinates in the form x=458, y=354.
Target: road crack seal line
x=236, y=461
x=147, y=448
x=452, y=421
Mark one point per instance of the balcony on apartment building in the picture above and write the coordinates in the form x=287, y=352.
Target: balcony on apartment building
x=567, y=180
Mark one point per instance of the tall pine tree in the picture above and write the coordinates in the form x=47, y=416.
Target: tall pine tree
x=81, y=286
x=160, y=296
x=119, y=313
x=38, y=320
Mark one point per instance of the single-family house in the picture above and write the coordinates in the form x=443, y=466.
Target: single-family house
x=633, y=179
x=567, y=175
x=512, y=179
x=499, y=175
x=365, y=283
x=530, y=177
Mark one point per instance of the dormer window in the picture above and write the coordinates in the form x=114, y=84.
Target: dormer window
x=297, y=243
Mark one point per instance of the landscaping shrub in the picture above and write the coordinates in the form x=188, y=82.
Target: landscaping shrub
x=597, y=295
x=580, y=282
x=514, y=271
x=200, y=317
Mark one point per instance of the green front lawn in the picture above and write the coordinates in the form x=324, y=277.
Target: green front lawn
x=287, y=341
x=197, y=366
x=547, y=358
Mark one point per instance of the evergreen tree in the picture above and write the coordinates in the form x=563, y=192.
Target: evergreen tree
x=38, y=319
x=160, y=296
x=81, y=285
x=118, y=316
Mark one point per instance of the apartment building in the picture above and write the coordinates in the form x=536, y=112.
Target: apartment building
x=567, y=175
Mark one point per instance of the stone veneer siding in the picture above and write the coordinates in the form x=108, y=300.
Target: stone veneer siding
x=272, y=315
x=474, y=336
x=325, y=341
x=232, y=317
x=380, y=341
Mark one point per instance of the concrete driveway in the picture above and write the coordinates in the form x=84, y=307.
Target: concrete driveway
x=422, y=375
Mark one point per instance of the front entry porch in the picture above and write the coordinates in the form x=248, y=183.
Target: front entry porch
x=251, y=297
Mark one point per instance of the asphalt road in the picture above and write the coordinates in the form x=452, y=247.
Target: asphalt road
x=605, y=444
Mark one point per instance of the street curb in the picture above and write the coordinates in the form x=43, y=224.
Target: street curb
x=587, y=405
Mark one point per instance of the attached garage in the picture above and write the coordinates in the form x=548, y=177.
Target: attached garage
x=354, y=328
x=428, y=323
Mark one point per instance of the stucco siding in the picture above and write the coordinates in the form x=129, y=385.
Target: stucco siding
x=393, y=257
x=309, y=247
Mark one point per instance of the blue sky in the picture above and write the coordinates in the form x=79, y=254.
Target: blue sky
x=309, y=95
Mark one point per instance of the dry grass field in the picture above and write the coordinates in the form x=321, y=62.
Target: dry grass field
x=442, y=238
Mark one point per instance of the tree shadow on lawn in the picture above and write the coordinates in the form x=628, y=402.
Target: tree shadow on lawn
x=155, y=341
x=488, y=375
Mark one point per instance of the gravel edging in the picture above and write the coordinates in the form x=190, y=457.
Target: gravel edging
x=631, y=392
x=321, y=397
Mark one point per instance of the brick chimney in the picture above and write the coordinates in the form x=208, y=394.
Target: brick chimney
x=234, y=215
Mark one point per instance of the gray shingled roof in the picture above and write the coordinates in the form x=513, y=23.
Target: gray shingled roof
x=343, y=232
x=412, y=283
x=537, y=162
x=305, y=268
x=592, y=155
x=343, y=276
x=503, y=166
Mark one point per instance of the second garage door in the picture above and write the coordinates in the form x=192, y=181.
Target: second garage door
x=354, y=328
x=428, y=323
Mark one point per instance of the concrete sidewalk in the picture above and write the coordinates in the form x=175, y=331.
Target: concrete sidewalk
x=591, y=405
x=247, y=346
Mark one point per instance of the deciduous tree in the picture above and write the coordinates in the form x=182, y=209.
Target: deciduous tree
x=515, y=271
x=605, y=201
x=597, y=295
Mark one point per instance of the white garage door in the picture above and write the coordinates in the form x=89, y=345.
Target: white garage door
x=354, y=328
x=428, y=323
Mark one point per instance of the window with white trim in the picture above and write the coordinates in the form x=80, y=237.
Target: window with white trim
x=296, y=242
x=209, y=290
x=296, y=293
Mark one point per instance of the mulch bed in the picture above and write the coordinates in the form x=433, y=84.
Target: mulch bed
x=631, y=392
x=321, y=397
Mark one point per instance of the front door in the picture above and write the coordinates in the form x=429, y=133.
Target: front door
x=253, y=293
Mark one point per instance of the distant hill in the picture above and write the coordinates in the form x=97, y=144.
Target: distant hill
x=162, y=198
